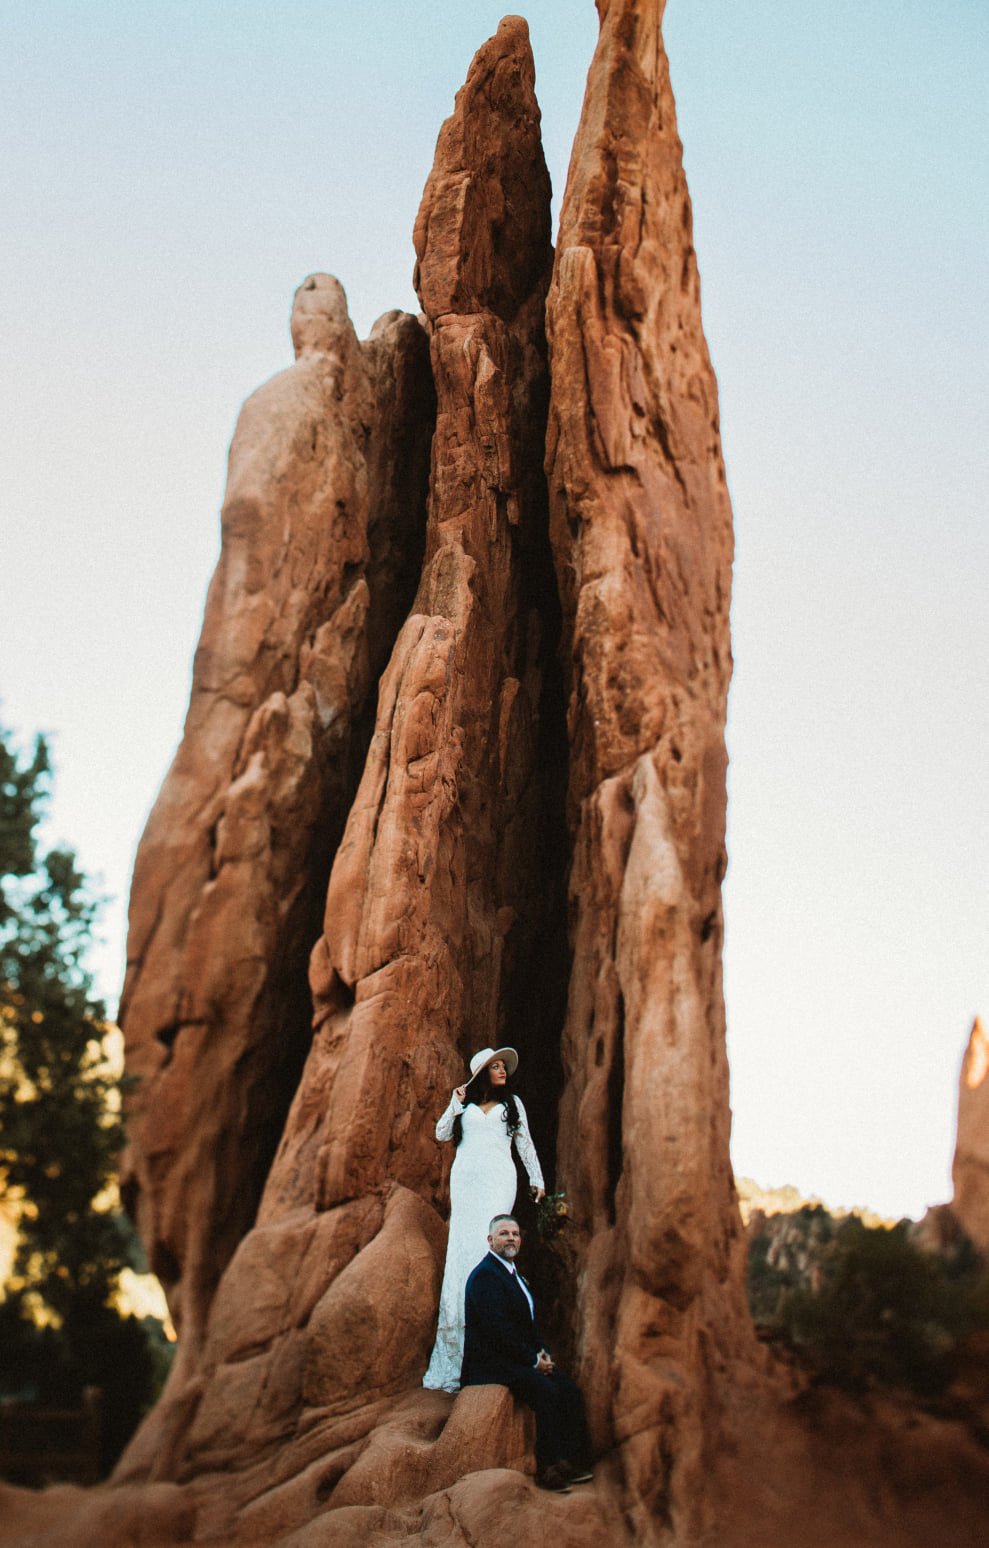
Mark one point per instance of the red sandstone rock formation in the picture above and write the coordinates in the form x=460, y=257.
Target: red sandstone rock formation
x=550, y=713
x=437, y=890
x=970, y=1168
x=642, y=539
x=443, y=910
x=321, y=527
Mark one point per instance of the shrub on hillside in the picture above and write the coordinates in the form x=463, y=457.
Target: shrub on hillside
x=884, y=1312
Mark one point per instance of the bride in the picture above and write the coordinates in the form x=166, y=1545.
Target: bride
x=482, y=1122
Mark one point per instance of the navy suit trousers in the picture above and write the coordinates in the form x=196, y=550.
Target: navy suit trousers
x=561, y=1430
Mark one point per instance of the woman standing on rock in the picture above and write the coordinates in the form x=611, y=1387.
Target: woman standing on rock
x=482, y=1123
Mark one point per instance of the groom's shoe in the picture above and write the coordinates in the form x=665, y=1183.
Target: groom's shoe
x=581, y=1475
x=556, y=1476
x=575, y=1474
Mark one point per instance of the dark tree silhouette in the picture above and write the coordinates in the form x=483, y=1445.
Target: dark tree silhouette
x=60, y=1129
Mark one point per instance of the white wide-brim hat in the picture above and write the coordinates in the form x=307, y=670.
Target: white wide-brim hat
x=486, y=1056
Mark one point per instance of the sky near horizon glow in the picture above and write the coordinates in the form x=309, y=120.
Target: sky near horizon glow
x=173, y=170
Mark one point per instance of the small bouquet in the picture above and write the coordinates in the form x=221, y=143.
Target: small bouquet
x=552, y=1215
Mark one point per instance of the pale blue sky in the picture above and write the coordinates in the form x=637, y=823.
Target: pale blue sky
x=171, y=170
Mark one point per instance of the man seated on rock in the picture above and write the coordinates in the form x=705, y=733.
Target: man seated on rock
x=502, y=1343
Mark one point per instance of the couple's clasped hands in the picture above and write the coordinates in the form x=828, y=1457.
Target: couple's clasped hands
x=544, y=1364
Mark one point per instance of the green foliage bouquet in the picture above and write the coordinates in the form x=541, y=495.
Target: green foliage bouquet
x=552, y=1215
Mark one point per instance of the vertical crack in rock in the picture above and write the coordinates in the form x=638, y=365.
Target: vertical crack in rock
x=321, y=532
x=642, y=538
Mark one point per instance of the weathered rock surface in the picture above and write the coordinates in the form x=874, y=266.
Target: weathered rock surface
x=152, y=1516
x=642, y=538
x=438, y=897
x=823, y=1470
x=442, y=907
x=818, y=1470
x=970, y=1168
x=464, y=760
x=321, y=534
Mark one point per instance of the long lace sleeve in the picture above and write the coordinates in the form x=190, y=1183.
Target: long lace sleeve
x=444, y=1124
x=527, y=1150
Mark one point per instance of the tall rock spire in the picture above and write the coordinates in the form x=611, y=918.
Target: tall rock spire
x=642, y=540
x=970, y=1167
x=438, y=877
x=550, y=714
x=446, y=884
x=232, y=867
x=520, y=837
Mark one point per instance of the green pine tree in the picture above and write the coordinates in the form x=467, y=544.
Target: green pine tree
x=60, y=1129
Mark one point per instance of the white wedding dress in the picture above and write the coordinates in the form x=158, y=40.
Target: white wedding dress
x=482, y=1184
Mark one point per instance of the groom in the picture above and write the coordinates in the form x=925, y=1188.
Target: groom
x=503, y=1344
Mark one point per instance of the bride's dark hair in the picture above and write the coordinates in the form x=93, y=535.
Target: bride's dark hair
x=481, y=1090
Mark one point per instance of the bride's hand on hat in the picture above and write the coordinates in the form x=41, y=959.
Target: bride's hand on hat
x=460, y=1092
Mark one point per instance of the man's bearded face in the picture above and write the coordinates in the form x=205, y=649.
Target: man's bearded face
x=505, y=1239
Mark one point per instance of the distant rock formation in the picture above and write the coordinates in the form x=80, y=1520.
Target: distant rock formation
x=963, y=1224
x=755, y=1200
x=970, y=1168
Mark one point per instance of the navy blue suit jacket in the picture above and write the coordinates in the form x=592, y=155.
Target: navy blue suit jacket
x=501, y=1337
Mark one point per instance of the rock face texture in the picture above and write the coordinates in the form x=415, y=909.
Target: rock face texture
x=970, y=1168
x=554, y=700
x=642, y=540
x=322, y=529
x=437, y=900
x=444, y=912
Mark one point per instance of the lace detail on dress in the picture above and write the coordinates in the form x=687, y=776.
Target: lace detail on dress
x=444, y=1125
x=527, y=1150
